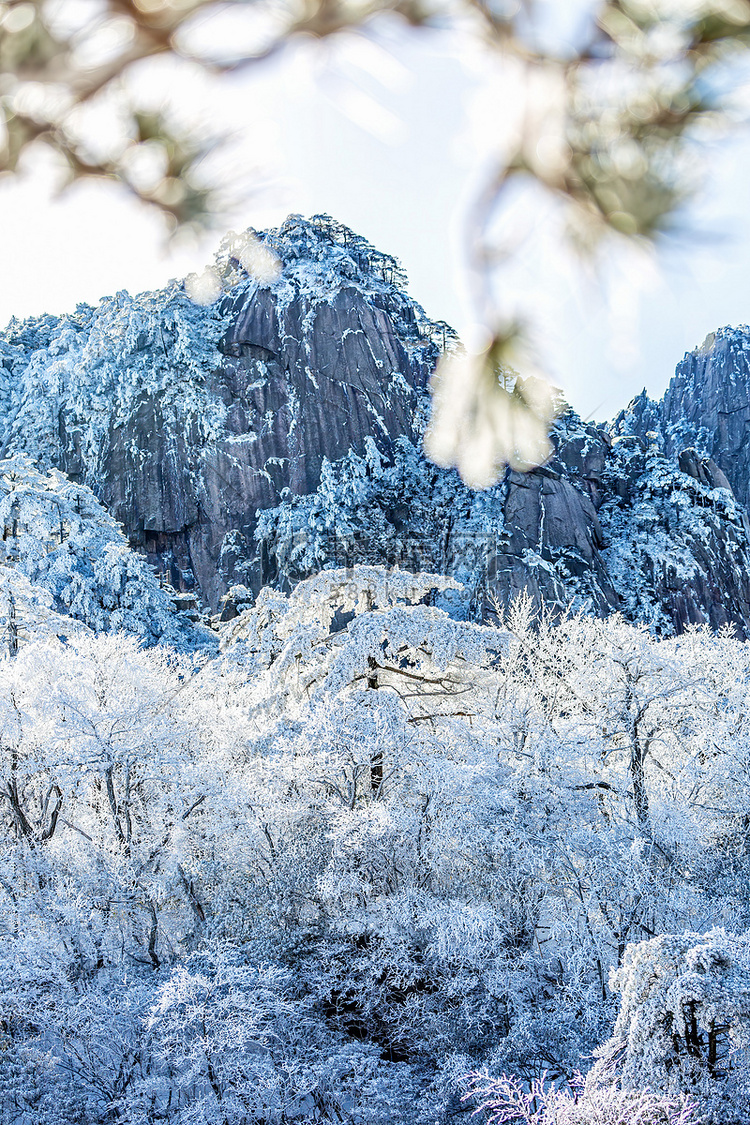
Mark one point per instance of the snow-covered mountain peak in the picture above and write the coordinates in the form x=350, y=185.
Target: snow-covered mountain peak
x=313, y=260
x=276, y=431
x=731, y=335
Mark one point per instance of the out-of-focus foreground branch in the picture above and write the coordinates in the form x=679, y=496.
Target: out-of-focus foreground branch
x=604, y=130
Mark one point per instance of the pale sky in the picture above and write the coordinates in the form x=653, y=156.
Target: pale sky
x=390, y=136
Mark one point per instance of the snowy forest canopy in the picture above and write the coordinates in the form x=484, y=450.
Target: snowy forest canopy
x=367, y=851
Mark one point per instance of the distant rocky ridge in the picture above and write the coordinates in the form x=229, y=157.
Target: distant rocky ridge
x=277, y=431
x=706, y=407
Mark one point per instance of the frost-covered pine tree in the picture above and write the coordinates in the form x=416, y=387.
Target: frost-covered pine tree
x=98, y=362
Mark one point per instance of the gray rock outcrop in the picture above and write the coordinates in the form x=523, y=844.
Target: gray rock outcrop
x=299, y=382
x=706, y=408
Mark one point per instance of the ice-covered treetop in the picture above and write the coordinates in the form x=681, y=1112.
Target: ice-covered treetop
x=336, y=625
x=316, y=600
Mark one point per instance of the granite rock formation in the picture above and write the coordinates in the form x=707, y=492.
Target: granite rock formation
x=537, y=532
x=706, y=407
x=277, y=430
x=187, y=420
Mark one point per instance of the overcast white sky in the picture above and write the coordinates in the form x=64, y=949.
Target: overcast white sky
x=390, y=137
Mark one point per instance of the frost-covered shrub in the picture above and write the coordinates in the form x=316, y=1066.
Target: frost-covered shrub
x=72, y=1047
x=684, y=1020
x=506, y=1101
x=238, y=1042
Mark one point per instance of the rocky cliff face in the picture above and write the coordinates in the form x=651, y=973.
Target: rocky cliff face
x=277, y=430
x=536, y=532
x=188, y=420
x=706, y=408
x=607, y=525
x=692, y=510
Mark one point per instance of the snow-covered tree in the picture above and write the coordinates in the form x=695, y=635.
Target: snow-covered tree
x=508, y=1101
x=243, y=1043
x=366, y=850
x=57, y=535
x=684, y=1020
